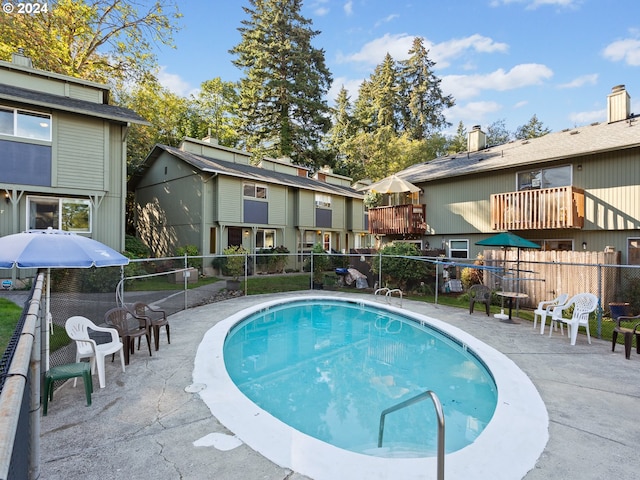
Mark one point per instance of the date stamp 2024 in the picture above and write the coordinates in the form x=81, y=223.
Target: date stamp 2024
x=25, y=8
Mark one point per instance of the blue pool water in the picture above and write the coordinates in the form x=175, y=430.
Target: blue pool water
x=329, y=368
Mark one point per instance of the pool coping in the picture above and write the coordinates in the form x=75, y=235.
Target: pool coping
x=518, y=431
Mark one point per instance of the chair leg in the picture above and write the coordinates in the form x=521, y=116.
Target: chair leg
x=47, y=394
x=614, y=337
x=487, y=307
x=628, y=338
x=156, y=336
x=88, y=386
x=101, y=374
x=169, y=336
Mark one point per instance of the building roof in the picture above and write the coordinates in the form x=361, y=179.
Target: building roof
x=249, y=172
x=564, y=145
x=58, y=102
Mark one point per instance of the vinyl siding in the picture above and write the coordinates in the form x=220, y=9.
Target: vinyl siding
x=81, y=152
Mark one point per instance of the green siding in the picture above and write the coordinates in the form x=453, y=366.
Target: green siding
x=230, y=200
x=306, y=209
x=81, y=152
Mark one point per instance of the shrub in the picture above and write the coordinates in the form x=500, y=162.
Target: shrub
x=234, y=263
x=135, y=248
x=190, y=251
x=320, y=262
x=400, y=272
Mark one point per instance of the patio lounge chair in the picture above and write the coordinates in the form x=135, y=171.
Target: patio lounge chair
x=479, y=294
x=583, y=304
x=156, y=317
x=628, y=332
x=544, y=309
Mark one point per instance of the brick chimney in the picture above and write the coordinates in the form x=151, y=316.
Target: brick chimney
x=618, y=104
x=477, y=139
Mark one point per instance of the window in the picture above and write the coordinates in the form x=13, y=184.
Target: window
x=22, y=123
x=255, y=190
x=565, y=245
x=459, y=248
x=323, y=200
x=265, y=239
x=69, y=214
x=309, y=240
x=545, y=178
x=633, y=251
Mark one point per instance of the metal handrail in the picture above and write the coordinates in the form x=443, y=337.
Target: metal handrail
x=439, y=414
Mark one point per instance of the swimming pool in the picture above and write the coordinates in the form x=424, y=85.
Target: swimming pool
x=507, y=448
x=328, y=368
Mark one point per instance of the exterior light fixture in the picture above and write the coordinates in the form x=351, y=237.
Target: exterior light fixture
x=584, y=245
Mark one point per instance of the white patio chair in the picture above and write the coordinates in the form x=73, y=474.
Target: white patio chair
x=583, y=304
x=78, y=330
x=544, y=308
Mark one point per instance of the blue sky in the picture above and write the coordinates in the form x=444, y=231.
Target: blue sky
x=500, y=59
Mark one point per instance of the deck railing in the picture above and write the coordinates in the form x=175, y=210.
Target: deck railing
x=397, y=220
x=546, y=208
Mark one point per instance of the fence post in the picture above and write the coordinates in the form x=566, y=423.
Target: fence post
x=186, y=280
x=246, y=280
x=599, y=314
x=379, y=269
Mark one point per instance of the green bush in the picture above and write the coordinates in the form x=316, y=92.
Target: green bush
x=135, y=248
x=399, y=272
x=321, y=262
x=234, y=264
x=190, y=251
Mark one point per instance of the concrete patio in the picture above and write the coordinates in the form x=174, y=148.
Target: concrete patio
x=147, y=423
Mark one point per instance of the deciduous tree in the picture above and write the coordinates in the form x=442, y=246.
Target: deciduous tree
x=535, y=128
x=99, y=40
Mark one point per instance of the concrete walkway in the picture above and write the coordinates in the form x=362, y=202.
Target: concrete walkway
x=148, y=423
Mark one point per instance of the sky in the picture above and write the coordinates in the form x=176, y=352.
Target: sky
x=501, y=60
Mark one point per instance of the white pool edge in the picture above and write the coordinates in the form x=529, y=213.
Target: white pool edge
x=507, y=448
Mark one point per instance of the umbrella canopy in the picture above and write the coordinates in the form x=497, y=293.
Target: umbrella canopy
x=56, y=249
x=392, y=184
x=507, y=239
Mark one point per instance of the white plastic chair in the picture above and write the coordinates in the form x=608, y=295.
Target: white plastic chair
x=78, y=330
x=583, y=304
x=544, y=308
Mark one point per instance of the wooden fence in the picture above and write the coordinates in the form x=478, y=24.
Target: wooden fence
x=543, y=275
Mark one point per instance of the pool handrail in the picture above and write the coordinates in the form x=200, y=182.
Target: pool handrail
x=439, y=414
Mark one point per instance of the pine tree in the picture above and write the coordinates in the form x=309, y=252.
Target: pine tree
x=459, y=142
x=535, y=128
x=282, y=108
x=422, y=95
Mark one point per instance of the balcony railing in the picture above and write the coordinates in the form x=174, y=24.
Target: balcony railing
x=546, y=208
x=397, y=220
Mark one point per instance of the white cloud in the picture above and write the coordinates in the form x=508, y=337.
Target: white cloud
x=590, y=79
x=352, y=87
x=467, y=86
x=627, y=50
x=373, y=52
x=585, y=118
x=348, y=7
x=398, y=46
x=387, y=19
x=174, y=83
x=521, y=103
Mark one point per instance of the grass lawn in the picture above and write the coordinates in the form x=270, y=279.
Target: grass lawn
x=159, y=283
x=9, y=316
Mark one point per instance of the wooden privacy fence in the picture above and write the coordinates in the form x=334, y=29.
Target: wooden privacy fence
x=545, y=274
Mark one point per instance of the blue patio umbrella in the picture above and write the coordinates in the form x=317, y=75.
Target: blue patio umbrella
x=52, y=248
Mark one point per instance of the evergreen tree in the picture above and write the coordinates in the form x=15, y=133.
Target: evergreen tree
x=282, y=110
x=421, y=93
x=535, y=128
x=385, y=91
x=459, y=142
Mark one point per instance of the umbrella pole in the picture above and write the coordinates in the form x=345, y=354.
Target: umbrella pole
x=48, y=320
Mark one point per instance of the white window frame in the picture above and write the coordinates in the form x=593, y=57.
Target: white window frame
x=453, y=241
x=255, y=190
x=17, y=112
x=323, y=200
x=264, y=233
x=60, y=219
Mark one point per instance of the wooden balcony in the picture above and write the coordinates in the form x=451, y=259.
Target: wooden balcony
x=397, y=220
x=538, y=209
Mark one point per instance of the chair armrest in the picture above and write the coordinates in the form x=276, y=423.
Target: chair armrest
x=627, y=319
